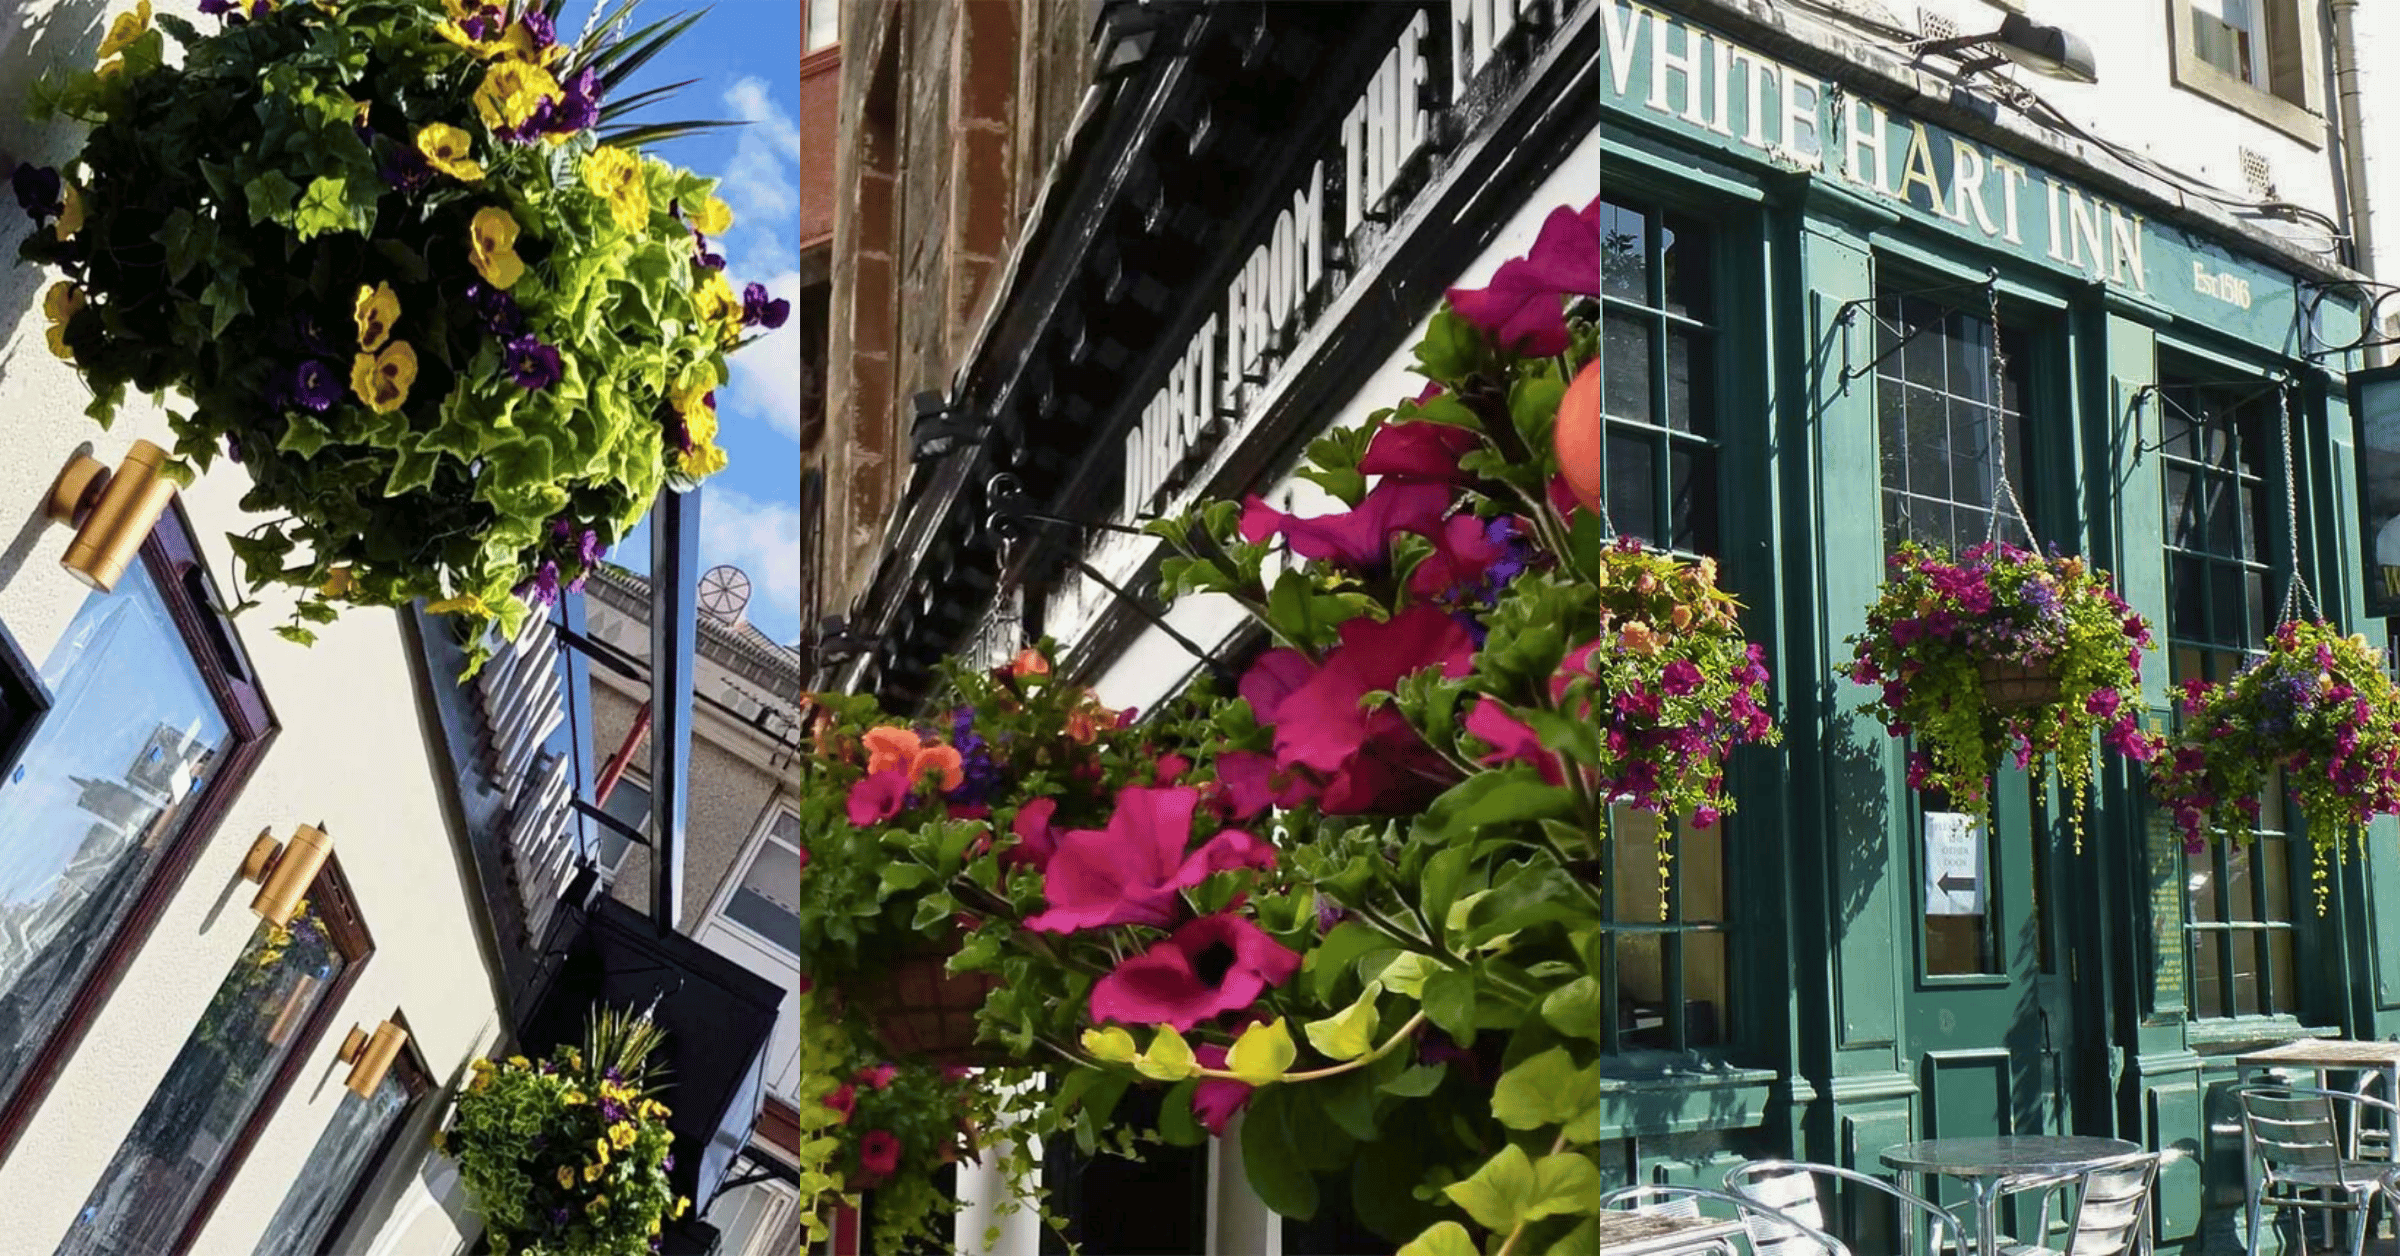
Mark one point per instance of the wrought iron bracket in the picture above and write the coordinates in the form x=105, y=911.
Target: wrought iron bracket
x=2135, y=404
x=1846, y=316
x=2380, y=300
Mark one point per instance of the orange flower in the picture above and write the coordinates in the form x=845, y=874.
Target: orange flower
x=1082, y=727
x=1029, y=662
x=889, y=747
x=1682, y=617
x=941, y=759
x=1639, y=639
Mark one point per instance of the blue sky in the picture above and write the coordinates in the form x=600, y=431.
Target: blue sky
x=746, y=56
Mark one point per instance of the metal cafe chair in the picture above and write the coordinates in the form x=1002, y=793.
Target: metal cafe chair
x=2298, y=1153
x=2111, y=1216
x=1792, y=1186
x=1683, y=1202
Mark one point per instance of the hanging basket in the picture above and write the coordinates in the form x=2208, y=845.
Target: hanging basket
x=921, y=1010
x=2009, y=685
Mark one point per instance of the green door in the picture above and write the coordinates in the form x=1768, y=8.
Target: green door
x=1988, y=1014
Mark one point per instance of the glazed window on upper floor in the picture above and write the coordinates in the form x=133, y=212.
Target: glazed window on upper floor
x=2258, y=57
x=1658, y=362
x=2222, y=458
x=1935, y=422
x=824, y=25
x=765, y=900
x=361, y=1132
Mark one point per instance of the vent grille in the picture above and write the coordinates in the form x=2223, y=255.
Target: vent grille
x=2257, y=172
x=1934, y=25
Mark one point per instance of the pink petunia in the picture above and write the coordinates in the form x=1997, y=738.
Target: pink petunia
x=1251, y=783
x=879, y=1152
x=844, y=1101
x=1209, y=966
x=1216, y=1100
x=1462, y=553
x=1322, y=724
x=1036, y=838
x=1272, y=679
x=1357, y=539
x=879, y=797
x=1522, y=308
x=1511, y=740
x=1171, y=769
x=1420, y=453
x=1133, y=872
x=877, y=1076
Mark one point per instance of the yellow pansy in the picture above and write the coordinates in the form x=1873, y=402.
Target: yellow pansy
x=712, y=217
x=492, y=246
x=480, y=1065
x=338, y=583
x=655, y=1226
x=60, y=305
x=511, y=90
x=591, y=1173
x=518, y=1061
x=127, y=28
x=70, y=213
x=620, y=1135
x=446, y=149
x=382, y=379
x=574, y=1099
x=715, y=301
x=615, y=176
x=375, y=310
x=600, y=1145
x=700, y=460
x=682, y=1202
x=566, y=1177
x=481, y=1080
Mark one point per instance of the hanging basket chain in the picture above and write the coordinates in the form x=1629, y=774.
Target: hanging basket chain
x=2296, y=588
x=2002, y=488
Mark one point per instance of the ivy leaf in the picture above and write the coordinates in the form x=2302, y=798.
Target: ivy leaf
x=324, y=208
x=1574, y=1008
x=1349, y=1033
x=1500, y=1192
x=296, y=634
x=1545, y=1090
x=1446, y=1238
x=303, y=435
x=270, y=196
x=227, y=298
x=1450, y=1004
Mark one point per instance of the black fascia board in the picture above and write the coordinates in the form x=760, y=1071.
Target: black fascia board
x=674, y=655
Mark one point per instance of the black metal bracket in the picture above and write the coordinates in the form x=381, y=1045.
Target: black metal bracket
x=2135, y=404
x=1847, y=315
x=2373, y=295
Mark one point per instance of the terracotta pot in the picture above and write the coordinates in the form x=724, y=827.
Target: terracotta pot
x=2009, y=685
x=924, y=1012
x=1576, y=437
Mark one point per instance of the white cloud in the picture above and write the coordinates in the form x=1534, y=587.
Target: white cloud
x=762, y=182
x=753, y=101
x=766, y=375
x=761, y=538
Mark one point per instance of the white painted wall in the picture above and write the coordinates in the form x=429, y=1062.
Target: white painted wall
x=351, y=755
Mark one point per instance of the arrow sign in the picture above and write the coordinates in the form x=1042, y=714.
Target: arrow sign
x=1952, y=884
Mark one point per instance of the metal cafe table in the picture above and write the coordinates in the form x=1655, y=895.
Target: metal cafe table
x=1649, y=1234
x=1990, y=1166
x=2327, y=1055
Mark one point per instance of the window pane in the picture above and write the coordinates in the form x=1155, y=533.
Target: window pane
x=2208, y=967
x=629, y=804
x=768, y=900
x=2244, y=946
x=1683, y=261
x=2200, y=882
x=100, y=796
x=2240, y=887
x=2187, y=587
x=1633, y=486
x=1690, y=408
x=1956, y=879
x=824, y=23
x=1694, y=473
x=1928, y=444
x=1624, y=253
x=150, y=1189
x=1625, y=366
x=1705, y=1008
x=332, y=1171
x=2284, y=970
x=1891, y=434
x=786, y=828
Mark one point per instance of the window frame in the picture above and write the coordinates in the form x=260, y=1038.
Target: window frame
x=1707, y=332
x=172, y=556
x=2289, y=25
x=760, y=834
x=808, y=10
x=2028, y=342
x=21, y=688
x=418, y=1078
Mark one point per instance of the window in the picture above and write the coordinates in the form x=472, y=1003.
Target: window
x=1657, y=376
x=2224, y=539
x=628, y=804
x=359, y=1134
x=2259, y=57
x=24, y=700
x=150, y=735
x=824, y=24
x=766, y=901
x=239, y=1060
x=1668, y=966
x=760, y=1219
x=1935, y=419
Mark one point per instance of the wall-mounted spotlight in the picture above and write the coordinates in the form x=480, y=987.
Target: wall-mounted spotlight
x=111, y=514
x=2050, y=51
x=1124, y=34
x=284, y=871
x=370, y=1056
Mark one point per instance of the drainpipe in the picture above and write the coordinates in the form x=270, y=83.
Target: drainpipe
x=2354, y=151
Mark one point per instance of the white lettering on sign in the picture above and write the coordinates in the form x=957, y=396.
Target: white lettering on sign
x=1478, y=30
x=1386, y=128
x=1679, y=71
x=2225, y=286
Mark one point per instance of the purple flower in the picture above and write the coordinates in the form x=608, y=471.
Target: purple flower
x=233, y=449
x=482, y=24
x=558, y=1217
x=315, y=387
x=591, y=549
x=758, y=311
x=542, y=590
x=669, y=1162
x=531, y=363
x=1329, y=914
x=406, y=169
x=38, y=190
x=561, y=529
x=215, y=8
x=581, y=108
x=310, y=336
x=538, y=25
x=501, y=316
x=713, y=261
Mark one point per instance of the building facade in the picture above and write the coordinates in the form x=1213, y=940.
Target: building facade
x=1854, y=264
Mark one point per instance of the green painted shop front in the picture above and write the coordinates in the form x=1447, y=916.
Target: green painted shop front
x=1798, y=293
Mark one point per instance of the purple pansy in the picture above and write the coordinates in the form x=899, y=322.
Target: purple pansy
x=531, y=363
x=759, y=311
x=315, y=387
x=499, y=311
x=580, y=110
x=542, y=590
x=406, y=169
x=538, y=25
x=38, y=190
x=590, y=549
x=712, y=261
x=215, y=8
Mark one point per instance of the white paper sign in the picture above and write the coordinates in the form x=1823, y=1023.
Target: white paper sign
x=1953, y=865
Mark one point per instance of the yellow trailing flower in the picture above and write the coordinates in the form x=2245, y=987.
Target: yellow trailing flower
x=1349, y=1033
x=375, y=311
x=60, y=305
x=127, y=28
x=492, y=246
x=712, y=217
x=600, y=1145
x=448, y=149
x=682, y=1202
x=511, y=90
x=566, y=1177
x=615, y=176
x=1264, y=1053
x=382, y=379
x=620, y=1135
x=1110, y=1045
x=70, y=213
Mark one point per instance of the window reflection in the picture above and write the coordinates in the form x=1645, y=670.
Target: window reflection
x=103, y=790
x=334, y=1166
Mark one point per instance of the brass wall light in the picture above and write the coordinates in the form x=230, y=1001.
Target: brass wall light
x=110, y=513
x=284, y=871
x=370, y=1056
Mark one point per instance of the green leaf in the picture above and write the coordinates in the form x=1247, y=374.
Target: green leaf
x=1564, y=1184
x=1444, y=874
x=1513, y=794
x=1176, y=1123
x=1545, y=1090
x=1574, y=1008
x=1446, y=1238
x=303, y=435
x=1450, y=1004
x=1536, y=894
x=296, y=634
x=1452, y=348
x=1499, y=1192
x=1402, y=972
x=932, y=910
x=324, y=209
x=1269, y=1160
x=1417, y=1082
x=902, y=876
x=1583, y=1240
x=1263, y=1054
x=1169, y=1058
x=1533, y=408
x=271, y=196
x=1350, y=1101
x=1328, y=960
x=1349, y=1033
x=229, y=298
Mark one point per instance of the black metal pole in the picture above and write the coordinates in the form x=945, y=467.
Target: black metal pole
x=674, y=647
x=1217, y=669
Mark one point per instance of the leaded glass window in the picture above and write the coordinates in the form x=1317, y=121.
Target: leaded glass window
x=1936, y=418
x=1658, y=395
